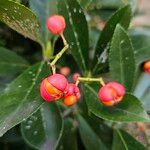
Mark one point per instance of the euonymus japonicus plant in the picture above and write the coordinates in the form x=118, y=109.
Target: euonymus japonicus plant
x=69, y=82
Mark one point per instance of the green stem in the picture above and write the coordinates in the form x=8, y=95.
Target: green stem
x=58, y=56
x=63, y=38
x=82, y=79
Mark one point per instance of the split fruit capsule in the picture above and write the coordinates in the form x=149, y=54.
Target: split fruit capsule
x=146, y=66
x=52, y=88
x=72, y=95
x=111, y=93
x=56, y=24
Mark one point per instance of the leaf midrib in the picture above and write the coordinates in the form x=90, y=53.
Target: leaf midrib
x=121, y=63
x=122, y=139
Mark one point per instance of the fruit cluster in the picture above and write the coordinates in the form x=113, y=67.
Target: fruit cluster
x=56, y=86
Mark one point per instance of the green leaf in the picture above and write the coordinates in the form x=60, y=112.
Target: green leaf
x=145, y=99
x=103, y=131
x=89, y=137
x=123, y=17
x=107, y=4
x=69, y=139
x=44, y=128
x=21, y=97
x=140, y=39
x=129, y=110
x=76, y=32
x=142, y=90
x=142, y=85
x=121, y=59
x=11, y=63
x=84, y=3
x=21, y=19
x=124, y=141
x=43, y=9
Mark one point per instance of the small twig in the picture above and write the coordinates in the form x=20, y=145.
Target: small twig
x=82, y=79
x=58, y=56
x=77, y=82
x=53, y=69
x=63, y=38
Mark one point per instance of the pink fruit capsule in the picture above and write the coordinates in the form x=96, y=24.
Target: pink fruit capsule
x=56, y=24
x=52, y=88
x=72, y=95
x=111, y=93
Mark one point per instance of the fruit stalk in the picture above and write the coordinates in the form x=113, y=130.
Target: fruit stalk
x=82, y=79
x=58, y=56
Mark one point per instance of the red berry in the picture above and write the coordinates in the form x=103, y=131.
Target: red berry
x=65, y=71
x=75, y=77
x=111, y=93
x=52, y=87
x=146, y=66
x=56, y=24
x=72, y=94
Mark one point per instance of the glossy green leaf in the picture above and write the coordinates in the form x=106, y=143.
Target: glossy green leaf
x=124, y=141
x=44, y=128
x=123, y=17
x=43, y=9
x=121, y=59
x=84, y=3
x=69, y=138
x=20, y=19
x=128, y=110
x=76, y=32
x=89, y=137
x=5, y=80
x=11, y=63
x=140, y=39
x=21, y=97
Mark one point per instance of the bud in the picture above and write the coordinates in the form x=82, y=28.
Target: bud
x=56, y=24
x=65, y=71
x=75, y=76
x=111, y=93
